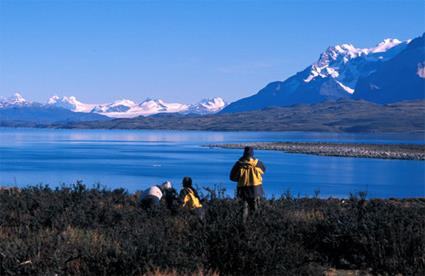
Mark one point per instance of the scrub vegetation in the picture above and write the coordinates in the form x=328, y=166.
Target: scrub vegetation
x=76, y=230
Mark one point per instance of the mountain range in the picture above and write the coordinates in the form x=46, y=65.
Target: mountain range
x=16, y=109
x=69, y=108
x=128, y=109
x=391, y=71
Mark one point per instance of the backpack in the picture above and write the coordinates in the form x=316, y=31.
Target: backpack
x=249, y=173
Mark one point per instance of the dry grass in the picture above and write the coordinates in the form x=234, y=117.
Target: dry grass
x=306, y=215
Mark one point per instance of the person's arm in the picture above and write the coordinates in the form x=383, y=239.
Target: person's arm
x=234, y=173
x=261, y=166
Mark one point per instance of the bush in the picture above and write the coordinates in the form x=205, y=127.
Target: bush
x=75, y=230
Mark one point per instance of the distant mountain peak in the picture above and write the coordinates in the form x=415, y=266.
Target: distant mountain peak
x=209, y=100
x=70, y=103
x=336, y=63
x=155, y=105
x=124, y=102
x=208, y=106
x=213, y=103
x=53, y=99
x=341, y=70
x=118, y=106
x=384, y=45
x=17, y=98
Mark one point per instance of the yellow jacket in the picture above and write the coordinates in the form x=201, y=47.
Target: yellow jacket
x=248, y=172
x=190, y=199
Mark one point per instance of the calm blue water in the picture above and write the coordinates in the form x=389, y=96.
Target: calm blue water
x=135, y=159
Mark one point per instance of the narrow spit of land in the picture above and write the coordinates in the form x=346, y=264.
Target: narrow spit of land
x=382, y=151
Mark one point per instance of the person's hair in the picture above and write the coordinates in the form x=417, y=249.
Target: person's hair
x=248, y=152
x=187, y=182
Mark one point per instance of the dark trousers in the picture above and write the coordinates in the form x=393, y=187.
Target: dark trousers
x=249, y=207
x=251, y=198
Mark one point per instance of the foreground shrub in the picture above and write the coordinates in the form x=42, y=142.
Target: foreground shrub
x=75, y=230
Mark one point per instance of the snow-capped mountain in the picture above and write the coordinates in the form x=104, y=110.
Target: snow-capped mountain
x=334, y=75
x=207, y=106
x=129, y=109
x=151, y=106
x=123, y=108
x=17, y=109
x=15, y=100
x=70, y=103
x=346, y=63
x=117, y=106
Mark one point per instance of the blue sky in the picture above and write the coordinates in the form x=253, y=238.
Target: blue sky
x=100, y=51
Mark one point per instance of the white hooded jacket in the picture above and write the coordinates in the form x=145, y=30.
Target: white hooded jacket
x=153, y=191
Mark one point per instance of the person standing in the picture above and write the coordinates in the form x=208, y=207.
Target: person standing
x=248, y=173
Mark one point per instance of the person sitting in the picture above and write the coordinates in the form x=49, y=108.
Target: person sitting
x=190, y=199
x=151, y=197
x=248, y=171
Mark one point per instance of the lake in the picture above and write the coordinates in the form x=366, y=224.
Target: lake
x=136, y=159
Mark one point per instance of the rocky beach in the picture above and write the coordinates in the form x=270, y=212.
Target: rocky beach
x=382, y=151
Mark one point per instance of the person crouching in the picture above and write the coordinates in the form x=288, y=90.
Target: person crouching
x=151, y=197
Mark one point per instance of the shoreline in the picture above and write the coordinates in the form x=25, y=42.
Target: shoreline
x=379, y=151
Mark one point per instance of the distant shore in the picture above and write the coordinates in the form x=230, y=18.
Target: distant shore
x=381, y=151
x=342, y=116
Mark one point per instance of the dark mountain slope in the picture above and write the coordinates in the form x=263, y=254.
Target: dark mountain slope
x=400, y=78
